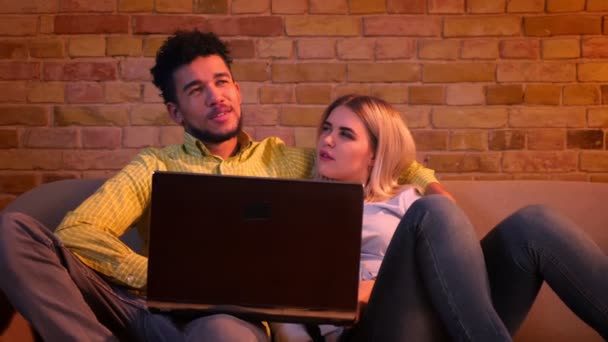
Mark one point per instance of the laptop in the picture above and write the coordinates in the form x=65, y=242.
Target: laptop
x=258, y=248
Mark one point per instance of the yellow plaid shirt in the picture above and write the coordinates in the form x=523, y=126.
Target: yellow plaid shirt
x=92, y=230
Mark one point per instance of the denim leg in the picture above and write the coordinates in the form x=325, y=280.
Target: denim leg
x=224, y=328
x=62, y=298
x=432, y=280
x=536, y=244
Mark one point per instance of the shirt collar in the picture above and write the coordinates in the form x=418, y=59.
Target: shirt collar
x=196, y=147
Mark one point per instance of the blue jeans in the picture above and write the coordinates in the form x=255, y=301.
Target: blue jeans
x=67, y=301
x=438, y=282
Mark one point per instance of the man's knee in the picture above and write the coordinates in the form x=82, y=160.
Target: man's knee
x=222, y=327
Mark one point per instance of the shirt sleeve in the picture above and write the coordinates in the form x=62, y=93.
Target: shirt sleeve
x=418, y=175
x=92, y=230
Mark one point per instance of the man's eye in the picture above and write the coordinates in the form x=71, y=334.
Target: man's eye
x=195, y=90
x=221, y=82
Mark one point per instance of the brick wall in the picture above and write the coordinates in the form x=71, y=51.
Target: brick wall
x=492, y=89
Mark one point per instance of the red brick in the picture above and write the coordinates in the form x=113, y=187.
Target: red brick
x=289, y=6
x=422, y=26
x=260, y=115
x=250, y=6
x=80, y=71
x=28, y=6
x=367, y=6
x=56, y=176
x=124, y=46
x=321, y=25
x=539, y=161
x=561, y=25
x=171, y=135
x=410, y=6
x=30, y=160
x=594, y=161
x=246, y=26
x=308, y=72
x=585, y=139
x=561, y=48
x=40, y=92
x=486, y=6
x=136, y=69
x=446, y=6
x=167, y=24
x=506, y=140
x=87, y=5
x=459, y=72
x=565, y=5
x=356, y=48
x=313, y=94
x=301, y=115
x=140, y=137
x=504, y=94
x=18, y=25
x=17, y=183
x=9, y=138
x=321, y=48
x=90, y=116
x=599, y=178
x=536, y=72
x=479, y=49
x=415, y=117
x=116, y=92
x=595, y=47
x=581, y=94
x=604, y=91
x=438, y=49
x=383, y=72
x=430, y=140
x=19, y=70
x=597, y=5
x=589, y=72
x=47, y=48
x=328, y=6
x=173, y=6
x=464, y=162
x=135, y=5
x=305, y=137
x=285, y=133
x=277, y=94
x=465, y=94
x=23, y=115
x=13, y=49
x=476, y=26
x=150, y=115
x=351, y=88
x=544, y=117
x=240, y=48
x=153, y=44
x=473, y=117
x=13, y=92
x=598, y=117
x=393, y=93
x=152, y=94
x=275, y=48
x=251, y=71
x=5, y=199
x=546, y=139
x=97, y=160
x=50, y=138
x=101, y=138
x=520, y=48
x=86, y=23
x=472, y=140
x=88, y=46
x=84, y=93
x=426, y=95
x=542, y=94
x=395, y=48
x=211, y=6
x=250, y=92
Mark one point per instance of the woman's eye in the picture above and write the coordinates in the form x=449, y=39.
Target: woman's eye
x=348, y=135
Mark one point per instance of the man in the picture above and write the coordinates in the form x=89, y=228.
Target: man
x=82, y=283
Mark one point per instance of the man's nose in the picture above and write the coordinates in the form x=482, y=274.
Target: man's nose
x=212, y=96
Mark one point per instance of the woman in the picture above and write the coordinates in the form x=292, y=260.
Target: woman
x=430, y=282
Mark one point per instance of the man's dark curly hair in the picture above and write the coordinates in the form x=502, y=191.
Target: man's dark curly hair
x=181, y=49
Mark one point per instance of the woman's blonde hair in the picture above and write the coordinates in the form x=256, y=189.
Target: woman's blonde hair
x=391, y=140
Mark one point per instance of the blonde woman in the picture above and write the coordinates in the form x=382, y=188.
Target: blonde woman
x=423, y=273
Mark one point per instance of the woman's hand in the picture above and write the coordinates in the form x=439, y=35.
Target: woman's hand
x=365, y=290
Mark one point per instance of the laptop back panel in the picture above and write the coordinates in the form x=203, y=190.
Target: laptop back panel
x=267, y=248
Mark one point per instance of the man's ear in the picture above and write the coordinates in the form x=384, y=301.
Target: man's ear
x=175, y=113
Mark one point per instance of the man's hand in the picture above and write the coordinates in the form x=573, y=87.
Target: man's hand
x=365, y=290
x=437, y=189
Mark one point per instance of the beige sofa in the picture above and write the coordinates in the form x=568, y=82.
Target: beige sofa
x=486, y=203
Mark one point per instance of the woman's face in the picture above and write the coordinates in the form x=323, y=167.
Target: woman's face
x=344, y=149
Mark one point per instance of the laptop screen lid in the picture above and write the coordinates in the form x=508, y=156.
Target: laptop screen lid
x=273, y=249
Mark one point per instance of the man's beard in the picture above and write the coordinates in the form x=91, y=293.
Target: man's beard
x=214, y=138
